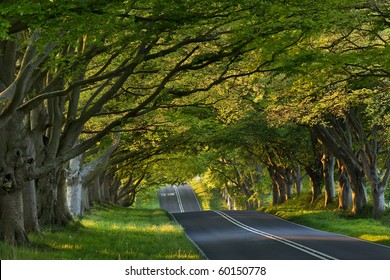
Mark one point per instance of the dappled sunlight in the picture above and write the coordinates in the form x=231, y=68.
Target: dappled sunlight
x=179, y=255
x=89, y=223
x=65, y=246
x=375, y=238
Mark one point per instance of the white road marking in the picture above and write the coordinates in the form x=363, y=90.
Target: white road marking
x=196, y=198
x=167, y=194
x=179, y=199
x=290, y=243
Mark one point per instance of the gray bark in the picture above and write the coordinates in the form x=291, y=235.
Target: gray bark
x=11, y=218
x=30, y=208
x=74, y=187
x=298, y=179
x=16, y=158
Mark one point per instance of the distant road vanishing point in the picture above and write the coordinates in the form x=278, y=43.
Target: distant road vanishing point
x=255, y=235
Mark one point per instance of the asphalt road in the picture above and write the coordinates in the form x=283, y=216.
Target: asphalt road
x=177, y=199
x=245, y=235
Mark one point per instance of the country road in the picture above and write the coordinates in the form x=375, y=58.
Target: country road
x=176, y=199
x=244, y=235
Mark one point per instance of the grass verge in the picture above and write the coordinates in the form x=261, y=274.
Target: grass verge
x=109, y=233
x=333, y=220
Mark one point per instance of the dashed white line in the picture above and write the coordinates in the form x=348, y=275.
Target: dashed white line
x=290, y=243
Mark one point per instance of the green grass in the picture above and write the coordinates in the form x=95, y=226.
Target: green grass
x=109, y=233
x=331, y=219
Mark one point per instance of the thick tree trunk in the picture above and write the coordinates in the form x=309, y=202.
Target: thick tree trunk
x=47, y=198
x=96, y=190
x=359, y=193
x=30, y=208
x=11, y=218
x=328, y=164
x=17, y=157
x=62, y=213
x=52, y=207
x=344, y=189
x=279, y=190
x=378, y=197
x=74, y=187
x=107, y=187
x=316, y=180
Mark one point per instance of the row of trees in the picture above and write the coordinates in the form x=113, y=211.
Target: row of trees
x=98, y=99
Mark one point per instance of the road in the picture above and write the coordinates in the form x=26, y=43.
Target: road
x=245, y=235
x=177, y=199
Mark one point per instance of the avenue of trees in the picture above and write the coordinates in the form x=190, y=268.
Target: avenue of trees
x=102, y=99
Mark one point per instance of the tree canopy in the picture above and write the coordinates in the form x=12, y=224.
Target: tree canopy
x=101, y=99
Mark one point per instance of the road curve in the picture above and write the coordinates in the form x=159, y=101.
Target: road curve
x=244, y=235
x=177, y=199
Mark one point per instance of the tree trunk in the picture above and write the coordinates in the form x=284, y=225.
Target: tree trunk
x=279, y=189
x=316, y=179
x=52, y=207
x=275, y=193
x=17, y=157
x=328, y=163
x=359, y=194
x=74, y=187
x=11, y=218
x=30, y=208
x=47, y=198
x=96, y=190
x=298, y=179
x=289, y=182
x=62, y=213
x=378, y=197
x=85, y=201
x=228, y=199
x=344, y=190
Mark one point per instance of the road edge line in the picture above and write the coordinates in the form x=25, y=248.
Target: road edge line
x=189, y=238
x=285, y=241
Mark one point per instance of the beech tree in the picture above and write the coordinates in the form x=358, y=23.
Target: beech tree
x=333, y=79
x=68, y=75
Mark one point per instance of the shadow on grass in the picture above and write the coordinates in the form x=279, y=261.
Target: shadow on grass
x=329, y=218
x=109, y=233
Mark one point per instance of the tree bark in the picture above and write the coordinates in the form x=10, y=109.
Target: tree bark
x=344, y=189
x=298, y=179
x=316, y=180
x=52, y=207
x=17, y=157
x=11, y=218
x=279, y=190
x=74, y=186
x=30, y=208
x=289, y=182
x=62, y=213
x=359, y=193
x=328, y=164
